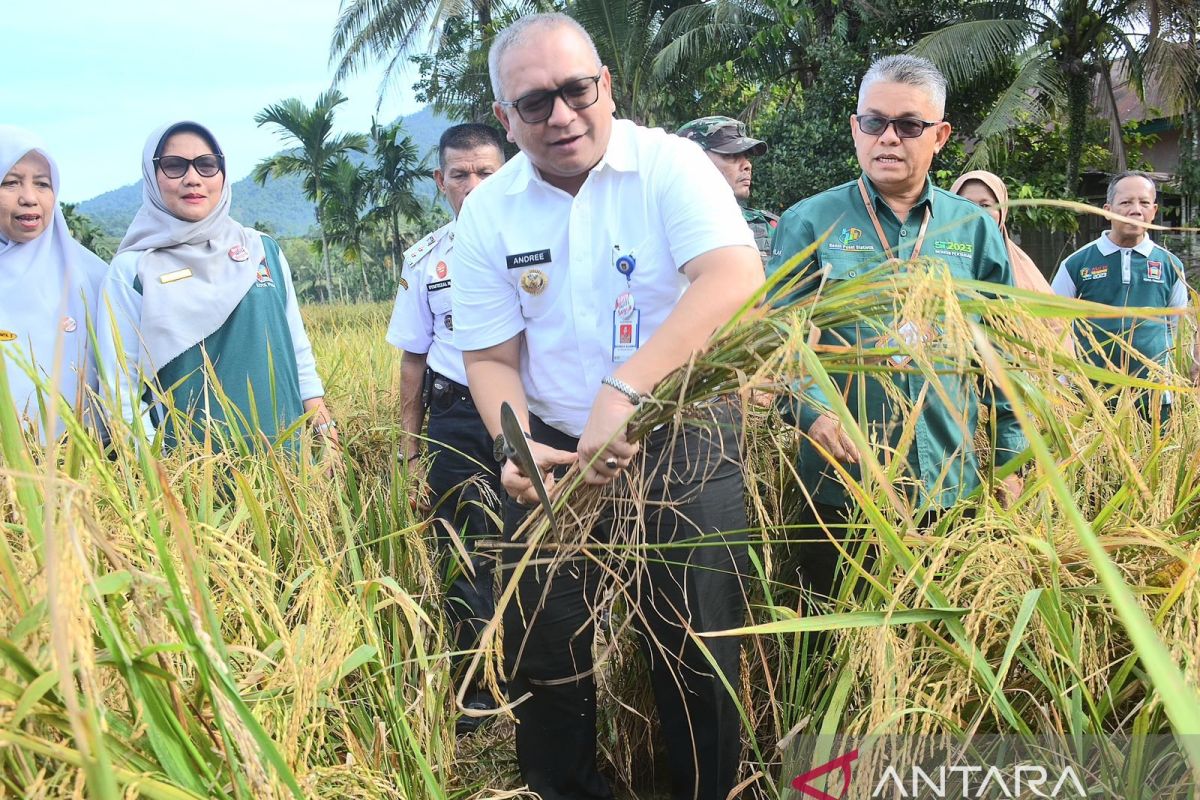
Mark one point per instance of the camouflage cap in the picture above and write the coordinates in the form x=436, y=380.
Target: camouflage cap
x=722, y=135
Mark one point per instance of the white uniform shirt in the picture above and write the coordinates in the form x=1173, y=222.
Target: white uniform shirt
x=422, y=320
x=654, y=196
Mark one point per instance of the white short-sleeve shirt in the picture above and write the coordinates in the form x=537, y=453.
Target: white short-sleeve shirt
x=654, y=197
x=422, y=318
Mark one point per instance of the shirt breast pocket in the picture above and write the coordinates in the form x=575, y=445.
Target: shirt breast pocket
x=840, y=266
x=656, y=280
x=538, y=288
x=439, y=300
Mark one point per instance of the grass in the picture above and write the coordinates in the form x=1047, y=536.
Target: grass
x=242, y=624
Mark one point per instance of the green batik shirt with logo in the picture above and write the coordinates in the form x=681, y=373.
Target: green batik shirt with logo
x=941, y=458
x=254, y=359
x=1145, y=276
x=763, y=225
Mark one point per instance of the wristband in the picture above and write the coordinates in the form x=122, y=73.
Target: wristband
x=631, y=394
x=326, y=427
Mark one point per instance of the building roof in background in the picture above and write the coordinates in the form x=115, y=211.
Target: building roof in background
x=1131, y=107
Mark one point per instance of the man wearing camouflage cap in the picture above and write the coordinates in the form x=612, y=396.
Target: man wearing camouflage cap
x=725, y=141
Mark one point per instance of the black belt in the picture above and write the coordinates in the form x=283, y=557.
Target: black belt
x=442, y=387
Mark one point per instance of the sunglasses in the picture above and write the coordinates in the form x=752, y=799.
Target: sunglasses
x=538, y=106
x=206, y=165
x=906, y=127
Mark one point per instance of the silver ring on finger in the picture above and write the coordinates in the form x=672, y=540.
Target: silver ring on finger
x=611, y=463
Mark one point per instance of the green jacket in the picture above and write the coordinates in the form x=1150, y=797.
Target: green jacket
x=941, y=461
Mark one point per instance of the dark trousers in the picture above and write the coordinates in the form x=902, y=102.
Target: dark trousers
x=818, y=560
x=464, y=483
x=695, y=507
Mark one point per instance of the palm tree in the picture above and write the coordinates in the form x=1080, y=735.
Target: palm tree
x=626, y=36
x=348, y=187
x=316, y=150
x=765, y=41
x=1061, y=50
x=371, y=30
x=397, y=168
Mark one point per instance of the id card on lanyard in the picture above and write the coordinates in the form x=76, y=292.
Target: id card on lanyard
x=910, y=333
x=627, y=317
x=883, y=240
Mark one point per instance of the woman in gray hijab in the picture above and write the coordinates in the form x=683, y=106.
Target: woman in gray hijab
x=48, y=284
x=192, y=295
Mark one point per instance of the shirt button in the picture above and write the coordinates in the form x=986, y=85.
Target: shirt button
x=904, y=231
x=853, y=274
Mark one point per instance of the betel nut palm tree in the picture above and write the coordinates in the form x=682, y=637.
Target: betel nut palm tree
x=397, y=169
x=316, y=148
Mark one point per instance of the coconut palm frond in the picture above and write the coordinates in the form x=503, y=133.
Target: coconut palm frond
x=1035, y=85
x=1176, y=67
x=966, y=50
x=371, y=29
x=625, y=33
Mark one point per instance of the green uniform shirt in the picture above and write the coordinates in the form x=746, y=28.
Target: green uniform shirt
x=254, y=359
x=763, y=225
x=1145, y=276
x=941, y=459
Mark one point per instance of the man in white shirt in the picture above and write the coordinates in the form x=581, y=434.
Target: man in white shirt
x=591, y=266
x=464, y=480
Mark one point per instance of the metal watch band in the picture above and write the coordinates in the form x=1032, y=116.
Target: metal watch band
x=633, y=395
x=500, y=446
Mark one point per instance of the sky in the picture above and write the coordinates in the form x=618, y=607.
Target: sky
x=93, y=79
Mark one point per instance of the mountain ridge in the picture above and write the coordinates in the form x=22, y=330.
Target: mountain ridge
x=279, y=204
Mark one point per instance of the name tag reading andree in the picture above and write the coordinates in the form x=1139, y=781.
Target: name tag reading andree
x=177, y=275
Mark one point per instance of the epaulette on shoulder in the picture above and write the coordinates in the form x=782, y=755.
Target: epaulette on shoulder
x=419, y=250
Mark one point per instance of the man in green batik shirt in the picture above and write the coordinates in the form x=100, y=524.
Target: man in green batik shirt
x=893, y=210
x=728, y=146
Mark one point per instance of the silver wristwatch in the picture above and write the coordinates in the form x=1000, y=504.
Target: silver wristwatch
x=631, y=394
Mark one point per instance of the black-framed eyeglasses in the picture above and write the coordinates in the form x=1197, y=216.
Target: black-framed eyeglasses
x=538, y=106
x=906, y=127
x=206, y=165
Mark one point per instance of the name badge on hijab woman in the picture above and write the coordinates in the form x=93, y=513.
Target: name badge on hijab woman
x=48, y=281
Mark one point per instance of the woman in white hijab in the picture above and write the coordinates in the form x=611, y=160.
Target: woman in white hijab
x=48, y=282
x=190, y=288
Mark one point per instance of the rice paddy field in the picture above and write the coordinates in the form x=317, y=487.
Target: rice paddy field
x=250, y=624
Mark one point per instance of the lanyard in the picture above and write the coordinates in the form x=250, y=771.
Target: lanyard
x=887, y=248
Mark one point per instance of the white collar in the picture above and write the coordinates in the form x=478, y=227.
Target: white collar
x=621, y=155
x=1107, y=247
